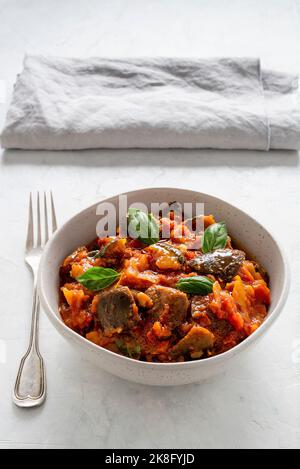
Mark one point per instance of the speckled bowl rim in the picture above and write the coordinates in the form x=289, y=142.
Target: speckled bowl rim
x=204, y=362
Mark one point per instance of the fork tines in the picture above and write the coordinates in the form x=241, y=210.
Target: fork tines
x=44, y=211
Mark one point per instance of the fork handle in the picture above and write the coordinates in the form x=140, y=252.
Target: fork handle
x=30, y=386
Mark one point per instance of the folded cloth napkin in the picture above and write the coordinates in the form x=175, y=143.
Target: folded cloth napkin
x=66, y=104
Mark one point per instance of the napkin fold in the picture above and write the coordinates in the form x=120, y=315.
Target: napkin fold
x=68, y=104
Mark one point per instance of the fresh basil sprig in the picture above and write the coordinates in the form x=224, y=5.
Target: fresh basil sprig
x=98, y=278
x=142, y=226
x=214, y=237
x=195, y=285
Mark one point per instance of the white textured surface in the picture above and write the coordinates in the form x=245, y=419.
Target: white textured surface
x=255, y=405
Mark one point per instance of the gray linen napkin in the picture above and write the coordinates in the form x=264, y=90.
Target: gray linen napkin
x=68, y=104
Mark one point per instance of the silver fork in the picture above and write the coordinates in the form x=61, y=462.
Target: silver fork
x=30, y=386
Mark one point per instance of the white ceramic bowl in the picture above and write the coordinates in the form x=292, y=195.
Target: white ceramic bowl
x=256, y=240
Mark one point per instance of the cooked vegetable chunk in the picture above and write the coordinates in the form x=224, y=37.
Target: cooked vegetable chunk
x=199, y=305
x=182, y=295
x=222, y=262
x=195, y=341
x=115, y=248
x=169, y=305
x=117, y=309
x=167, y=256
x=142, y=299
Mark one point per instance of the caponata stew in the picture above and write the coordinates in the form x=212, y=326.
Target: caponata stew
x=158, y=300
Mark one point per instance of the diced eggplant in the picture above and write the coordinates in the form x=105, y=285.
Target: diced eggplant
x=169, y=305
x=194, y=342
x=117, y=309
x=221, y=262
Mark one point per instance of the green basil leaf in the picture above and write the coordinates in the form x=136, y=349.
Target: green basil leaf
x=144, y=225
x=214, y=237
x=98, y=278
x=195, y=285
